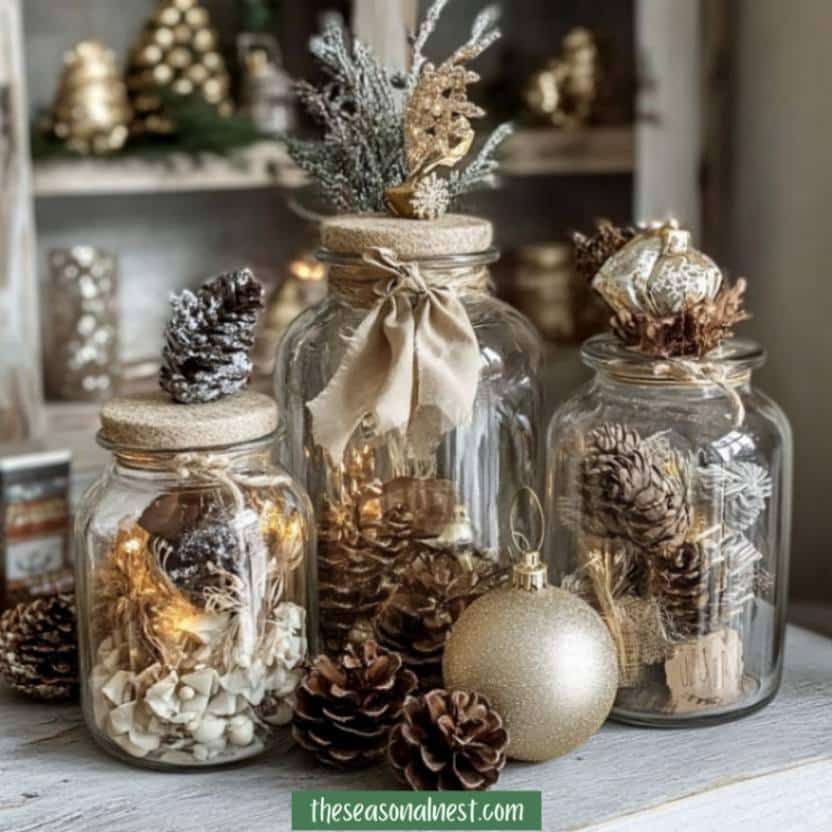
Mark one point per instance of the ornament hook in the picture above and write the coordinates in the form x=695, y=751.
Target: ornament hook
x=519, y=538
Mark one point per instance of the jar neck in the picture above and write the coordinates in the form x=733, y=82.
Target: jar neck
x=145, y=464
x=362, y=280
x=671, y=381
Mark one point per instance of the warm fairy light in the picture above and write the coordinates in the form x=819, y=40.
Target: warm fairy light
x=306, y=267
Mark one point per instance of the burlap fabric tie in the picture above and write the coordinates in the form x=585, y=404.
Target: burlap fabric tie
x=412, y=365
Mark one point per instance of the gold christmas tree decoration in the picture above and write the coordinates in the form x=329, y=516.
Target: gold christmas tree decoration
x=91, y=112
x=177, y=53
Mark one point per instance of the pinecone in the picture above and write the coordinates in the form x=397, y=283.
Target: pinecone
x=680, y=582
x=434, y=589
x=735, y=493
x=634, y=490
x=592, y=252
x=209, y=337
x=361, y=548
x=736, y=577
x=449, y=741
x=201, y=559
x=344, y=709
x=38, y=648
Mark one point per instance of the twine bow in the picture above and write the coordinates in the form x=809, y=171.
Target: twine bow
x=683, y=369
x=412, y=365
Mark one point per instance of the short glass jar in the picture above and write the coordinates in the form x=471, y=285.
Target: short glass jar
x=394, y=506
x=191, y=580
x=669, y=484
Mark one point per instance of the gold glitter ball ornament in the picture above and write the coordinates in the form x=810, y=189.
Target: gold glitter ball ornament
x=542, y=657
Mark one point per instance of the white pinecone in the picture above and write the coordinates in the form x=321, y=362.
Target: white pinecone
x=431, y=198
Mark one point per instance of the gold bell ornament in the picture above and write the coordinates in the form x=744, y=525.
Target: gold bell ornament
x=542, y=657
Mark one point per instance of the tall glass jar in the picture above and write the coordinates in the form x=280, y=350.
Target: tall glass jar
x=415, y=510
x=669, y=484
x=191, y=580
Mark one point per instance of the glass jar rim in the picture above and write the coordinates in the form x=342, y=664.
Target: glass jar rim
x=606, y=353
x=448, y=261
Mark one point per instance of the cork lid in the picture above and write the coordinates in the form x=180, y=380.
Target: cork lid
x=452, y=234
x=153, y=422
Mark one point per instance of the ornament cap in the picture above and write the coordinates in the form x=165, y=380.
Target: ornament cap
x=530, y=574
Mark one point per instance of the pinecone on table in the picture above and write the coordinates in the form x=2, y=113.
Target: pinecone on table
x=345, y=709
x=591, y=252
x=434, y=589
x=449, y=741
x=209, y=338
x=39, y=649
x=634, y=490
x=681, y=584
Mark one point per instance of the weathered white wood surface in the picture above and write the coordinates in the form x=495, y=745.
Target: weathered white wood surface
x=771, y=771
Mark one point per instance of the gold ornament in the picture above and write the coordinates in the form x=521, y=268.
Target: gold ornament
x=565, y=91
x=176, y=51
x=658, y=273
x=542, y=657
x=438, y=133
x=91, y=112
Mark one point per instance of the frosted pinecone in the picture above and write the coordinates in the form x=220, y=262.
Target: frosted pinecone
x=736, y=493
x=209, y=338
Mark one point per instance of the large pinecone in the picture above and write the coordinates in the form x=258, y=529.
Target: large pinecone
x=680, y=582
x=209, y=338
x=449, y=741
x=38, y=648
x=633, y=490
x=434, y=589
x=345, y=709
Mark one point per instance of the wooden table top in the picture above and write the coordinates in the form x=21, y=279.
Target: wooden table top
x=770, y=771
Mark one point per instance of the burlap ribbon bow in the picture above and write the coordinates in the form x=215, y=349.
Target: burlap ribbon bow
x=412, y=365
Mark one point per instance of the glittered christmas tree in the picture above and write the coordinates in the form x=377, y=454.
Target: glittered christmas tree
x=178, y=55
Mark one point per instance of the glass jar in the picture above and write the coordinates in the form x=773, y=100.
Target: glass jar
x=397, y=510
x=669, y=488
x=191, y=580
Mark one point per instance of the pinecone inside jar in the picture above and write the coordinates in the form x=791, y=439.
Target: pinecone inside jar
x=345, y=709
x=434, y=589
x=681, y=583
x=449, y=741
x=634, y=489
x=38, y=648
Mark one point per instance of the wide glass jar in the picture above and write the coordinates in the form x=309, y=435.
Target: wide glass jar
x=669, y=488
x=191, y=580
x=419, y=509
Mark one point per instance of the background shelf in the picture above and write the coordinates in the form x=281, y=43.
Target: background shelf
x=543, y=151
x=264, y=165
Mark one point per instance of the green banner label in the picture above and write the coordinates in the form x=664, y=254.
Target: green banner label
x=421, y=811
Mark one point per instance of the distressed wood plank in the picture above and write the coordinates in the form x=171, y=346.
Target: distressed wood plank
x=770, y=768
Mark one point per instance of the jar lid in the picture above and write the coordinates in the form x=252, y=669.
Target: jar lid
x=153, y=422
x=451, y=235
